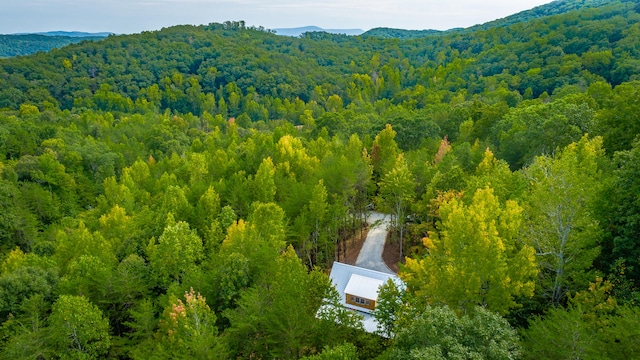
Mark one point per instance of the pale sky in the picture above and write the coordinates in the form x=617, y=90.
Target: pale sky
x=132, y=16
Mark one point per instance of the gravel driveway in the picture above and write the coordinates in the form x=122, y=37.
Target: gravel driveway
x=370, y=256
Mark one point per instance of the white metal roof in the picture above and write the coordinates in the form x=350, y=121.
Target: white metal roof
x=341, y=275
x=363, y=287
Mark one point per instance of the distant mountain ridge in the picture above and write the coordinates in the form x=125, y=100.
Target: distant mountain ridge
x=391, y=33
x=25, y=44
x=553, y=8
x=301, y=30
x=74, y=34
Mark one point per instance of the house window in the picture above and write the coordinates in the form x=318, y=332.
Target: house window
x=359, y=301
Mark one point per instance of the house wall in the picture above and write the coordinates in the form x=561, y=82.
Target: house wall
x=353, y=300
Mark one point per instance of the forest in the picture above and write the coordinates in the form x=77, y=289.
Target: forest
x=183, y=193
x=26, y=44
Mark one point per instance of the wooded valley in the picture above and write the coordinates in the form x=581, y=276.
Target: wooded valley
x=183, y=193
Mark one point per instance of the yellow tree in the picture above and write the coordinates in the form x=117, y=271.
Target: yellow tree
x=264, y=186
x=475, y=257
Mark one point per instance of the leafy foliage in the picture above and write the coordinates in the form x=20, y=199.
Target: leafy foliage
x=78, y=328
x=438, y=333
x=234, y=166
x=20, y=45
x=475, y=257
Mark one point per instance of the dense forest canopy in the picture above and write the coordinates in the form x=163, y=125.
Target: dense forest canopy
x=26, y=44
x=182, y=193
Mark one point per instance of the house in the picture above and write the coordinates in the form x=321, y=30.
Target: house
x=358, y=288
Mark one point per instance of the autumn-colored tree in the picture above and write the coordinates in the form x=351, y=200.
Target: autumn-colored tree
x=443, y=149
x=476, y=257
x=187, y=329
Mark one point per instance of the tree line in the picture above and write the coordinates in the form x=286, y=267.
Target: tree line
x=182, y=193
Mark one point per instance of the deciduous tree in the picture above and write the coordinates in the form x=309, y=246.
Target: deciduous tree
x=78, y=329
x=438, y=333
x=397, y=192
x=175, y=253
x=475, y=257
x=561, y=225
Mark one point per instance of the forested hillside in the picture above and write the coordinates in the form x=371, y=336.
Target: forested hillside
x=182, y=193
x=26, y=44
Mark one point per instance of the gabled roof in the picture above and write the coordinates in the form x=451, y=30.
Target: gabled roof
x=341, y=274
x=363, y=286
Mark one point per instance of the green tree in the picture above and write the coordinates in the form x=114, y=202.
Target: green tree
x=388, y=307
x=619, y=216
x=26, y=334
x=277, y=318
x=346, y=351
x=562, y=333
x=129, y=285
x=397, y=192
x=561, y=225
x=592, y=326
x=174, y=201
x=617, y=122
x=496, y=174
x=317, y=216
x=384, y=152
x=24, y=276
x=257, y=241
x=78, y=329
x=526, y=132
x=73, y=243
x=18, y=225
x=175, y=253
x=206, y=217
x=87, y=276
x=231, y=276
x=438, y=333
x=143, y=324
x=118, y=229
x=475, y=257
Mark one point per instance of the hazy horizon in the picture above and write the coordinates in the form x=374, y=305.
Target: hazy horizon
x=133, y=16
